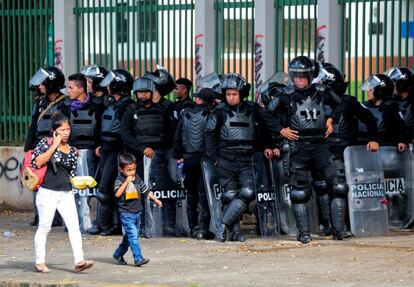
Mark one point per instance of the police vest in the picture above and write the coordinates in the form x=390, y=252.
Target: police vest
x=149, y=125
x=237, y=132
x=309, y=115
x=111, y=123
x=194, y=125
x=83, y=126
x=342, y=129
x=44, y=125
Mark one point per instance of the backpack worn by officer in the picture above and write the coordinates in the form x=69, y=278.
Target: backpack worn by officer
x=111, y=122
x=194, y=125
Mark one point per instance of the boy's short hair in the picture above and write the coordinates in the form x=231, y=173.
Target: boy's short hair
x=80, y=80
x=126, y=159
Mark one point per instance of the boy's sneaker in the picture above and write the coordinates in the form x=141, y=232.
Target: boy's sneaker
x=142, y=262
x=119, y=260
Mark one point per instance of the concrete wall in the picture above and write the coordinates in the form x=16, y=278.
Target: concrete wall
x=12, y=195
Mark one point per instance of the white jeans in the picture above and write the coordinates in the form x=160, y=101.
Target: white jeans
x=47, y=202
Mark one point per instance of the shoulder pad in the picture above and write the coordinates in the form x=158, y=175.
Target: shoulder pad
x=289, y=90
x=274, y=103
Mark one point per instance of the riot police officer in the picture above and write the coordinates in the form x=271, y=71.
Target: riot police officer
x=404, y=94
x=344, y=135
x=48, y=83
x=119, y=85
x=390, y=125
x=146, y=129
x=53, y=81
x=189, y=145
x=231, y=133
x=300, y=116
x=85, y=117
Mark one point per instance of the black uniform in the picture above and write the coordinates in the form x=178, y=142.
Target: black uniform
x=184, y=104
x=111, y=147
x=152, y=127
x=390, y=125
x=231, y=135
x=189, y=143
x=305, y=112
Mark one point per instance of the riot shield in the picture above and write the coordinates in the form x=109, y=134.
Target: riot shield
x=86, y=166
x=398, y=185
x=366, y=197
x=267, y=201
x=213, y=191
x=176, y=171
x=281, y=179
x=164, y=186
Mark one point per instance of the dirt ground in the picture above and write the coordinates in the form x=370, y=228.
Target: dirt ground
x=381, y=261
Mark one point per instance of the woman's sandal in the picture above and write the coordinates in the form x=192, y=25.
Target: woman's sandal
x=42, y=268
x=84, y=264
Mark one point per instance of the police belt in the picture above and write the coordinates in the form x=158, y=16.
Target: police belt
x=309, y=138
x=235, y=143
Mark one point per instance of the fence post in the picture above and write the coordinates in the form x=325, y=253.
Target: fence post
x=204, y=37
x=264, y=38
x=65, y=50
x=328, y=32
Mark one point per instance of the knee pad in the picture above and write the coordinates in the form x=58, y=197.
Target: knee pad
x=228, y=196
x=247, y=194
x=340, y=189
x=320, y=187
x=300, y=196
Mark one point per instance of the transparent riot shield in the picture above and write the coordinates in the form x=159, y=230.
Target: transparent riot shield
x=267, y=201
x=213, y=191
x=281, y=179
x=398, y=185
x=86, y=166
x=177, y=175
x=366, y=198
x=161, y=178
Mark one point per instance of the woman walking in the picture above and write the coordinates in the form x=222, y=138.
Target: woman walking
x=56, y=192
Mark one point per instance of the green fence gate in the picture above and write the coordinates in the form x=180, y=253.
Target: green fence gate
x=137, y=35
x=26, y=44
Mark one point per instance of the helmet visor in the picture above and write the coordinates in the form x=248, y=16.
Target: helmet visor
x=394, y=73
x=208, y=81
x=233, y=81
x=39, y=77
x=143, y=85
x=91, y=71
x=323, y=75
x=108, y=79
x=372, y=82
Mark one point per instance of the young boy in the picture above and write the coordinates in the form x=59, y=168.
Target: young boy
x=129, y=190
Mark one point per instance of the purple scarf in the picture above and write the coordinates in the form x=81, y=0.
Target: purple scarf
x=76, y=105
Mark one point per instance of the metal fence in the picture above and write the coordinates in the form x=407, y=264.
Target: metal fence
x=137, y=35
x=26, y=44
x=376, y=35
x=234, y=26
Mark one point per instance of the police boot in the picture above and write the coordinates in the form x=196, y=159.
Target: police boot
x=221, y=232
x=338, y=208
x=302, y=222
x=235, y=234
x=94, y=230
x=324, y=204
